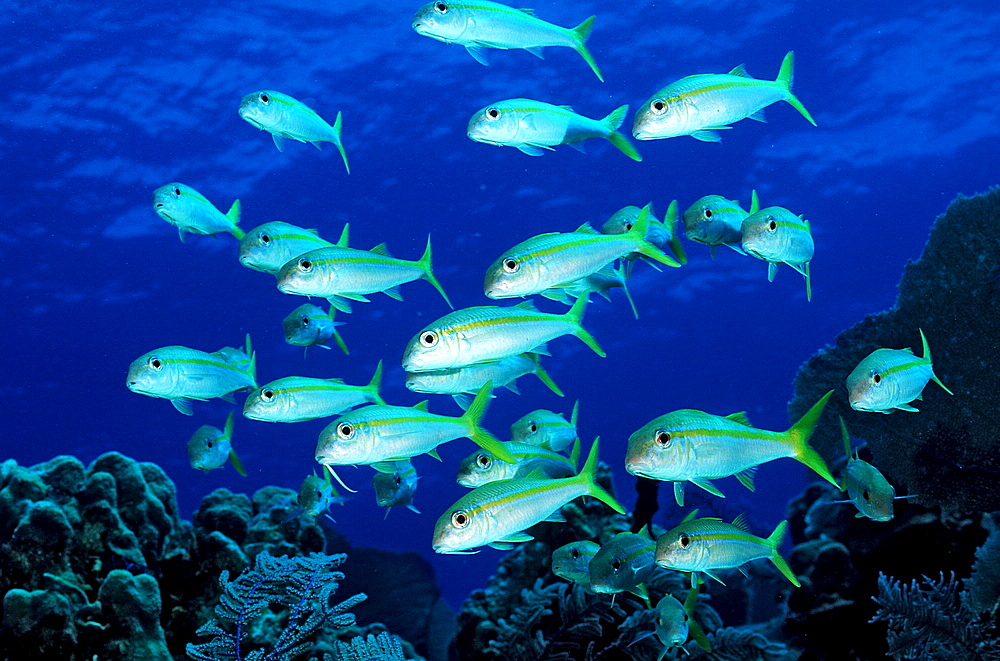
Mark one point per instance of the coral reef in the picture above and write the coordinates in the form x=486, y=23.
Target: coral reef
x=944, y=454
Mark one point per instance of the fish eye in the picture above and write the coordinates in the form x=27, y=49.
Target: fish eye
x=876, y=378
x=771, y=223
x=265, y=239
x=493, y=113
x=459, y=519
x=658, y=106
x=484, y=460
x=440, y=8
x=662, y=438
x=264, y=98
x=511, y=265
x=345, y=430
x=616, y=564
x=684, y=541
x=575, y=554
x=267, y=394
x=305, y=265
x=154, y=362
x=866, y=495
x=210, y=444
x=176, y=191
x=399, y=480
x=305, y=321
x=708, y=213
x=428, y=338
x=628, y=227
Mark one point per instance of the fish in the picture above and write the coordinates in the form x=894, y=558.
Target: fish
x=675, y=622
x=778, y=236
x=479, y=24
x=287, y=118
x=889, y=379
x=397, y=488
x=697, y=447
x=382, y=433
x=497, y=514
x=270, y=246
x=486, y=333
x=571, y=561
x=309, y=326
x=459, y=381
x=190, y=211
x=301, y=398
x=865, y=485
x=210, y=448
x=482, y=467
x=715, y=221
x=600, y=283
x=317, y=495
x=708, y=544
x=658, y=233
x=562, y=258
x=546, y=429
x=342, y=274
x=182, y=374
x=533, y=126
x=624, y=564
x=703, y=104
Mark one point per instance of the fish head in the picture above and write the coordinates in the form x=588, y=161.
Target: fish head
x=305, y=274
x=671, y=622
x=610, y=570
x=622, y=220
x=442, y=21
x=314, y=495
x=427, y=382
x=436, y=347
x=513, y=275
x=663, y=116
x=482, y=468
x=541, y=427
x=571, y=561
x=870, y=491
x=263, y=109
x=268, y=403
x=462, y=527
x=301, y=326
x=775, y=234
x=392, y=489
x=869, y=388
x=705, y=220
x=208, y=448
x=498, y=124
x=176, y=202
x=681, y=550
x=345, y=441
x=154, y=374
x=660, y=451
x=260, y=249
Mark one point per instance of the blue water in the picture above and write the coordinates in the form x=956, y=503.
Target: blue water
x=105, y=103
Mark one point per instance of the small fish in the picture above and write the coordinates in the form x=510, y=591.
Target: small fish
x=694, y=446
x=709, y=544
x=715, y=221
x=210, y=448
x=624, y=564
x=342, y=275
x=658, y=233
x=382, y=433
x=284, y=117
x=270, y=246
x=479, y=24
x=778, y=236
x=674, y=622
x=301, y=398
x=888, y=379
x=600, y=283
x=460, y=381
x=703, y=104
x=190, y=211
x=182, y=375
x=866, y=487
x=546, y=429
x=487, y=333
x=532, y=126
x=317, y=495
x=396, y=488
x=571, y=561
x=562, y=258
x=497, y=513
x=308, y=326
x=483, y=467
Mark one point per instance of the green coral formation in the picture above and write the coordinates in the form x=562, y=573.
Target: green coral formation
x=944, y=455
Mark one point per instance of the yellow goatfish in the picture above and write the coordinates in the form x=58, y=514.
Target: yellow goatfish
x=190, y=211
x=287, y=118
x=888, y=379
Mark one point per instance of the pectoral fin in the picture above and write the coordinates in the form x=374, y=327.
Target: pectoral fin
x=478, y=53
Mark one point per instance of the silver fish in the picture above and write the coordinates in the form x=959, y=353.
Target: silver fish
x=284, y=117
x=190, y=211
x=889, y=379
x=210, y=448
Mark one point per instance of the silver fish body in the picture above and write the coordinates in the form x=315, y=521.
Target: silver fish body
x=301, y=398
x=482, y=467
x=396, y=488
x=287, y=118
x=270, y=246
x=210, y=448
x=460, y=381
x=546, y=429
x=309, y=326
x=716, y=221
x=889, y=379
x=778, y=236
x=190, y=211
x=623, y=564
x=572, y=561
x=317, y=495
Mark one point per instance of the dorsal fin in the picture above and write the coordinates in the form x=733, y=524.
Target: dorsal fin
x=740, y=417
x=738, y=70
x=690, y=516
x=527, y=305
x=421, y=406
x=586, y=229
x=741, y=522
x=529, y=12
x=380, y=249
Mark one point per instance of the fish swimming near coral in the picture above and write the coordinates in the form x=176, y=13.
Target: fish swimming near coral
x=287, y=118
x=572, y=562
x=697, y=447
x=396, y=488
x=183, y=375
x=866, y=487
x=210, y=448
x=624, y=564
x=534, y=126
x=703, y=104
x=480, y=24
x=309, y=326
x=778, y=236
x=889, y=379
x=460, y=381
x=301, y=398
x=317, y=495
x=715, y=221
x=190, y=211
x=482, y=467
x=270, y=246
x=498, y=513
x=546, y=429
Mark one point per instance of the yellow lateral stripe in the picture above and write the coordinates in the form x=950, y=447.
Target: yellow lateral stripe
x=202, y=361
x=516, y=496
x=735, y=84
x=501, y=321
x=572, y=243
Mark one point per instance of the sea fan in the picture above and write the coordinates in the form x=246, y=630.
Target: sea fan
x=383, y=647
x=304, y=585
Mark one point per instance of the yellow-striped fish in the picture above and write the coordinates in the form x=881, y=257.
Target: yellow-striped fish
x=190, y=211
x=715, y=221
x=697, y=447
x=888, y=379
x=624, y=564
x=342, y=275
x=482, y=467
x=778, y=236
x=486, y=333
x=210, y=448
x=309, y=326
x=396, y=488
x=383, y=433
x=703, y=104
x=284, y=117
x=533, y=126
x=459, y=382
x=658, y=233
x=268, y=247
x=546, y=429
x=562, y=258
x=183, y=375
x=497, y=514
x=708, y=544
x=480, y=24
x=572, y=561
x=301, y=398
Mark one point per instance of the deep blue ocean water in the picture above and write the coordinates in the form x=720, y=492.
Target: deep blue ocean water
x=104, y=103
